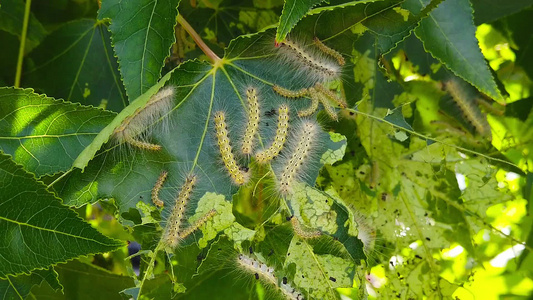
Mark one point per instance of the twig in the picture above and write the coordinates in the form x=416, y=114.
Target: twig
x=212, y=56
x=22, y=42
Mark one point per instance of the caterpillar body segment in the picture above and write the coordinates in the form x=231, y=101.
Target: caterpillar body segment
x=253, y=121
x=304, y=232
x=331, y=95
x=317, y=67
x=172, y=231
x=189, y=230
x=305, y=141
x=263, y=272
x=157, y=188
x=329, y=51
x=280, y=138
x=315, y=100
x=467, y=104
x=290, y=94
x=330, y=110
x=141, y=120
x=238, y=176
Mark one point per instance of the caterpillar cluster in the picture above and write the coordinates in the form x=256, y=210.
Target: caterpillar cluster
x=174, y=231
x=133, y=129
x=265, y=273
x=320, y=69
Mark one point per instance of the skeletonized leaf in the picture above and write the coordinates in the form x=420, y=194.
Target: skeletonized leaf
x=37, y=230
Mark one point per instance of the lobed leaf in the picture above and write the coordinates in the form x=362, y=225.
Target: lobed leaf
x=293, y=12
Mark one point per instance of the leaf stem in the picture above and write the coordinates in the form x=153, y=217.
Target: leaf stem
x=22, y=42
x=212, y=56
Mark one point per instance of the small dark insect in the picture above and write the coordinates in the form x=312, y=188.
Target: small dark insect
x=333, y=279
x=256, y=276
x=251, y=250
x=284, y=280
x=270, y=113
x=427, y=238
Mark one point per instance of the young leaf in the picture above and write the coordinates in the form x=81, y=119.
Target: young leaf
x=36, y=228
x=142, y=33
x=455, y=44
x=43, y=134
x=19, y=287
x=76, y=63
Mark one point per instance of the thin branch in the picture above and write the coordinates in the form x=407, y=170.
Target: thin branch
x=22, y=42
x=212, y=56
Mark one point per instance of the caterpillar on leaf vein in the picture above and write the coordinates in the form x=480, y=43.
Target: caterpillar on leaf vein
x=171, y=235
x=329, y=51
x=238, y=176
x=279, y=139
x=253, y=121
x=140, y=121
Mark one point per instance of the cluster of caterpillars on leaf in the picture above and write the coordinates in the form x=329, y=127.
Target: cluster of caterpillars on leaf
x=266, y=274
x=304, y=141
x=175, y=231
x=320, y=71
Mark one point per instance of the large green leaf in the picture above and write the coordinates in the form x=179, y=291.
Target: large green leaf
x=487, y=11
x=43, y=134
x=37, y=230
x=293, y=11
x=76, y=63
x=142, y=33
x=454, y=43
x=19, y=287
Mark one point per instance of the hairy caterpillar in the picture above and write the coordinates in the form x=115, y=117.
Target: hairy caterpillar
x=303, y=232
x=157, y=187
x=134, y=125
x=253, y=121
x=266, y=273
x=329, y=94
x=280, y=138
x=315, y=99
x=318, y=94
x=313, y=64
x=329, y=51
x=467, y=105
x=365, y=233
x=305, y=138
x=187, y=231
x=172, y=236
x=238, y=176
x=290, y=94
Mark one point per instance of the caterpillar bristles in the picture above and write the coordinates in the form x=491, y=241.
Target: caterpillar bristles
x=313, y=65
x=328, y=107
x=290, y=94
x=304, y=232
x=280, y=138
x=172, y=230
x=467, y=105
x=263, y=272
x=305, y=137
x=328, y=93
x=186, y=232
x=329, y=51
x=253, y=121
x=238, y=176
x=140, y=121
x=157, y=187
x=315, y=99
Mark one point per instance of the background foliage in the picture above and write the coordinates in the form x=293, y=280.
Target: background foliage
x=447, y=204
